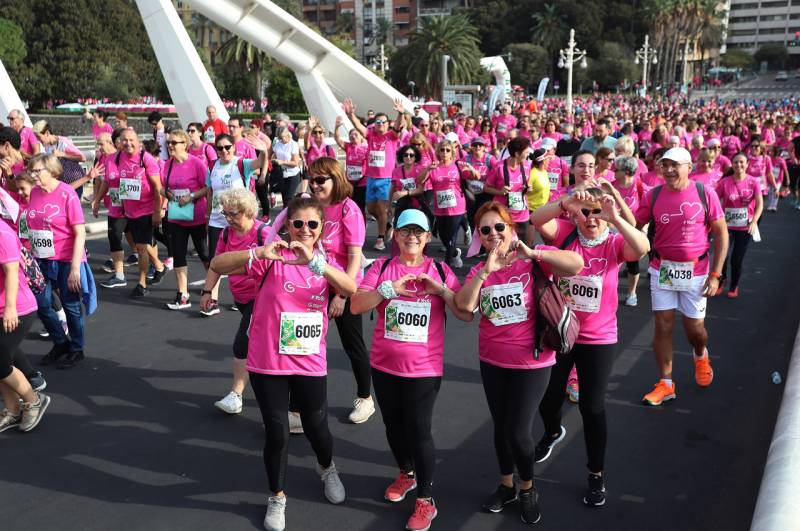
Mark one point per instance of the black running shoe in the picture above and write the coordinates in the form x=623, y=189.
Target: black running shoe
x=71, y=360
x=529, y=506
x=595, y=495
x=55, y=353
x=139, y=291
x=499, y=499
x=545, y=445
x=157, y=277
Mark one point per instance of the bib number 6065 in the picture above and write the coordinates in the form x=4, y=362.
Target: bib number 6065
x=301, y=331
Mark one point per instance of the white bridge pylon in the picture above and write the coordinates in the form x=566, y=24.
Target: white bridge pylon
x=9, y=99
x=325, y=73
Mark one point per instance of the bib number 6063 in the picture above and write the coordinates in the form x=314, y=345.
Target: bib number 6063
x=507, y=301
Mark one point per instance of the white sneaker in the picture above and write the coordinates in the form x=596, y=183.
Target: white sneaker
x=379, y=245
x=457, y=261
x=363, y=409
x=631, y=300
x=230, y=404
x=275, y=519
x=295, y=424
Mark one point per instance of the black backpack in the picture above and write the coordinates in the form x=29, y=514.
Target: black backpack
x=259, y=235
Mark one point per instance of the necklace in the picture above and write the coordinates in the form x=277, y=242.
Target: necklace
x=595, y=242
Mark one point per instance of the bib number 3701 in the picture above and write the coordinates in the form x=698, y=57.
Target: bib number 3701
x=301, y=333
x=675, y=276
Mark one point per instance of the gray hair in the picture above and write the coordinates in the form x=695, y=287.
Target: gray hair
x=627, y=164
x=241, y=200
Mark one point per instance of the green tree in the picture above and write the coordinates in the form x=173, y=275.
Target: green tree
x=614, y=64
x=774, y=54
x=737, y=58
x=549, y=30
x=250, y=58
x=528, y=65
x=12, y=43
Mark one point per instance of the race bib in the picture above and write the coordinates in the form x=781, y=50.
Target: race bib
x=476, y=187
x=775, y=173
x=209, y=136
x=408, y=184
x=503, y=304
x=675, y=276
x=583, y=294
x=515, y=201
x=23, y=227
x=762, y=181
x=501, y=127
x=42, y=243
x=407, y=321
x=377, y=159
x=301, y=333
x=177, y=194
x=216, y=206
x=353, y=173
x=736, y=217
x=130, y=189
x=445, y=198
x=113, y=194
x=555, y=180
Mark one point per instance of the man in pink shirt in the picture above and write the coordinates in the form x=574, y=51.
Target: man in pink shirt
x=681, y=215
x=241, y=146
x=505, y=122
x=100, y=125
x=29, y=144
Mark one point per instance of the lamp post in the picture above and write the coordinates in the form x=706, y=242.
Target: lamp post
x=647, y=55
x=413, y=86
x=445, y=82
x=567, y=58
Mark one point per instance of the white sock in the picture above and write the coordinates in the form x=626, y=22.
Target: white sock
x=120, y=276
x=703, y=355
x=667, y=381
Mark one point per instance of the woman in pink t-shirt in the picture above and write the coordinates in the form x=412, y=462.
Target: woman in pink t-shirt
x=489, y=137
x=314, y=142
x=604, y=158
x=740, y=196
x=240, y=208
x=508, y=182
x=58, y=235
x=286, y=348
x=759, y=165
x=17, y=307
x=631, y=191
x=704, y=171
x=514, y=373
x=780, y=174
x=342, y=239
x=356, y=151
x=198, y=148
x=410, y=293
x=592, y=294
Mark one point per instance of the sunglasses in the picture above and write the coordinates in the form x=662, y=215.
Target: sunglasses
x=594, y=211
x=174, y=143
x=498, y=227
x=316, y=132
x=191, y=130
x=610, y=159
x=379, y=122
x=298, y=224
x=319, y=180
x=405, y=232
x=226, y=147
x=409, y=155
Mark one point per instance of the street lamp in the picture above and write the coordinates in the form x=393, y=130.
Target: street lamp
x=413, y=86
x=567, y=58
x=647, y=55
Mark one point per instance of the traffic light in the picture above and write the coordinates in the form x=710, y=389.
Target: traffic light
x=796, y=41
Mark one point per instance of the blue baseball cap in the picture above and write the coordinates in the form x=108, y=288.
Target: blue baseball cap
x=412, y=216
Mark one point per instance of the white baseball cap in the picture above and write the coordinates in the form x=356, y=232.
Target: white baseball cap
x=548, y=143
x=678, y=155
x=451, y=137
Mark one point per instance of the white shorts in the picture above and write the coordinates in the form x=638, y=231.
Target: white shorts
x=691, y=304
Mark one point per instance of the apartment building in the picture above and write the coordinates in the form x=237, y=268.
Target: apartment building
x=751, y=24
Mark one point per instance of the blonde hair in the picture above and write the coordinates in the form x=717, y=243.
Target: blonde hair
x=50, y=163
x=180, y=133
x=625, y=143
x=41, y=126
x=240, y=199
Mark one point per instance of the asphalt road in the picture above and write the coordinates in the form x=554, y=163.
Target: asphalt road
x=761, y=87
x=133, y=442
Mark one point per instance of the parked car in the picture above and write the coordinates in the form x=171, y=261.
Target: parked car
x=782, y=76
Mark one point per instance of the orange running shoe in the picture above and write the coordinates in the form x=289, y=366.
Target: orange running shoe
x=732, y=294
x=660, y=393
x=703, y=373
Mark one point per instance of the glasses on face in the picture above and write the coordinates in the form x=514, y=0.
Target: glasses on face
x=409, y=156
x=405, y=232
x=587, y=211
x=191, y=131
x=36, y=171
x=225, y=147
x=173, y=143
x=316, y=132
x=298, y=224
x=380, y=121
x=231, y=215
x=498, y=227
x=424, y=125
x=445, y=150
x=319, y=180
x=756, y=146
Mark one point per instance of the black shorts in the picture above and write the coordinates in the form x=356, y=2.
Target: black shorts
x=116, y=226
x=141, y=229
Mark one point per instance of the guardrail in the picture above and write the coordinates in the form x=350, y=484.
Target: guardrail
x=778, y=508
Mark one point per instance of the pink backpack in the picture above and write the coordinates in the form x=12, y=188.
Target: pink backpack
x=557, y=327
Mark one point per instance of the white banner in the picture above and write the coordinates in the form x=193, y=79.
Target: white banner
x=542, y=88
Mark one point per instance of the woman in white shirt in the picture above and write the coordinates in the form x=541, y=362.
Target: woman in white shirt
x=286, y=153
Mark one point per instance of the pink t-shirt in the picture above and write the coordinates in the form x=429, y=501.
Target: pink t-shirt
x=243, y=149
x=651, y=179
x=57, y=212
x=344, y=227
x=189, y=175
x=739, y=194
x=316, y=151
x=722, y=164
x=381, y=154
x=9, y=254
x=759, y=167
x=448, y=194
x=28, y=140
x=557, y=172
x=355, y=158
x=681, y=232
x=632, y=194
x=130, y=169
x=98, y=130
x=731, y=145
x=111, y=176
x=510, y=345
x=405, y=180
x=598, y=327
x=395, y=354
x=243, y=287
x=779, y=169
x=503, y=124
x=290, y=320
x=708, y=178
x=205, y=152
x=516, y=180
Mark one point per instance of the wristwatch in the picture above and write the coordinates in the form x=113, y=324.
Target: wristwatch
x=205, y=292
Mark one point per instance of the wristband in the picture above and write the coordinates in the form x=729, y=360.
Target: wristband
x=205, y=292
x=251, y=252
x=317, y=265
x=386, y=290
x=561, y=206
x=537, y=255
x=714, y=274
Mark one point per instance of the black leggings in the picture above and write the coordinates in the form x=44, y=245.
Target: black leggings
x=272, y=394
x=213, y=238
x=240, y=341
x=447, y=228
x=360, y=197
x=633, y=267
x=116, y=227
x=262, y=194
x=407, y=408
x=162, y=235
x=739, y=241
x=513, y=396
x=179, y=242
x=9, y=345
x=593, y=363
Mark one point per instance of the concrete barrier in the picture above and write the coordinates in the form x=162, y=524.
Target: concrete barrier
x=778, y=505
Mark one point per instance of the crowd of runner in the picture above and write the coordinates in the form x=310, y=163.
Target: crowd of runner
x=532, y=193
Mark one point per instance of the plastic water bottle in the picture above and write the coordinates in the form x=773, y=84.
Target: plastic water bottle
x=776, y=377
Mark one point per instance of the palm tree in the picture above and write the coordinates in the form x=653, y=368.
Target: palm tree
x=548, y=30
x=452, y=35
x=251, y=58
x=346, y=23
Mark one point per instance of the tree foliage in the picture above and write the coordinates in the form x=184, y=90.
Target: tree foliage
x=12, y=43
x=737, y=58
x=528, y=65
x=613, y=65
x=774, y=54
